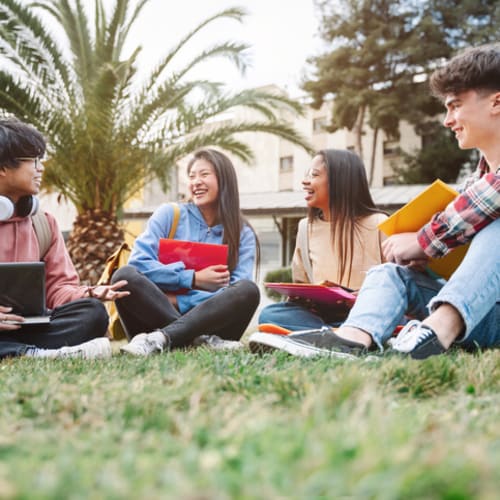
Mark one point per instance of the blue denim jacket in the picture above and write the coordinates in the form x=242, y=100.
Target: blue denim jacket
x=191, y=227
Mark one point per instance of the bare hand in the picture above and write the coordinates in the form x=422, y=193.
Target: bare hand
x=109, y=292
x=212, y=278
x=5, y=316
x=403, y=248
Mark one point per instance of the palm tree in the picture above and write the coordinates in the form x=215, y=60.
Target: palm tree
x=109, y=130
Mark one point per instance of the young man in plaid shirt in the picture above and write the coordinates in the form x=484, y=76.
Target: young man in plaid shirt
x=465, y=310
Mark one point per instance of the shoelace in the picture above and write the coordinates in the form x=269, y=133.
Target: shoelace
x=406, y=340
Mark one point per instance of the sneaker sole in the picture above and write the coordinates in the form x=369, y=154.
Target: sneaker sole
x=260, y=343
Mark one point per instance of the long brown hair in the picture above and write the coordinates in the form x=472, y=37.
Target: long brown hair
x=349, y=202
x=228, y=209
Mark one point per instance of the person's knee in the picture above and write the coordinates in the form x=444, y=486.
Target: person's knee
x=269, y=313
x=128, y=273
x=248, y=292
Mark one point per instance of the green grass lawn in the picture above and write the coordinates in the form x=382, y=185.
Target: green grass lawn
x=203, y=425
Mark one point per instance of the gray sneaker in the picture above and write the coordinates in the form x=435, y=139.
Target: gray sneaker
x=99, y=348
x=145, y=344
x=215, y=343
x=307, y=344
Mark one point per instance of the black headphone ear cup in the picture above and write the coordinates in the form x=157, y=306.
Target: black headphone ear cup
x=6, y=208
x=27, y=205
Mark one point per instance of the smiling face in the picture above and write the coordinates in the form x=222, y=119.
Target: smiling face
x=21, y=181
x=472, y=117
x=315, y=184
x=203, y=185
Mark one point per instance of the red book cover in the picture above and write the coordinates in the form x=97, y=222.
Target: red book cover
x=194, y=255
x=317, y=293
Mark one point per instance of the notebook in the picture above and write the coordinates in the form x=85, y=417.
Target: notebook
x=195, y=255
x=318, y=293
x=22, y=287
x=417, y=212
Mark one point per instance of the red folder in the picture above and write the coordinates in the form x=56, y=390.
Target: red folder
x=317, y=293
x=194, y=255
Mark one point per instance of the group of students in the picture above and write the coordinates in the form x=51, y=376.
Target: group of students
x=166, y=306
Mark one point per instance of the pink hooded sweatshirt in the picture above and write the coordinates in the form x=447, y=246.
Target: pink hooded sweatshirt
x=18, y=243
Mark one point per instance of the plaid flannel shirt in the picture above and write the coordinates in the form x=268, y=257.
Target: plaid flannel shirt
x=475, y=207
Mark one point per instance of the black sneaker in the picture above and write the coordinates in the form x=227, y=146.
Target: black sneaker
x=418, y=341
x=307, y=343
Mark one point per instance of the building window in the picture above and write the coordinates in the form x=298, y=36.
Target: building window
x=286, y=163
x=319, y=125
x=351, y=148
x=391, y=148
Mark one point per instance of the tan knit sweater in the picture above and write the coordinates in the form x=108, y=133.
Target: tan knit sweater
x=325, y=264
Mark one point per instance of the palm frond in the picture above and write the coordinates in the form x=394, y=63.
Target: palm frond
x=232, y=13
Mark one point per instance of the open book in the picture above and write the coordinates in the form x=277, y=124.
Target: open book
x=324, y=293
x=417, y=212
x=195, y=255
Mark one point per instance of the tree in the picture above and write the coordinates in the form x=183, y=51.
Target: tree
x=109, y=131
x=378, y=53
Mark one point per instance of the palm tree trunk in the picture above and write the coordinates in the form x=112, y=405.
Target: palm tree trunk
x=96, y=235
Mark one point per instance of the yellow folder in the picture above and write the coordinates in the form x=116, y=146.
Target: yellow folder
x=417, y=212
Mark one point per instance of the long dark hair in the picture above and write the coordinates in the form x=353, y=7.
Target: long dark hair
x=229, y=213
x=349, y=201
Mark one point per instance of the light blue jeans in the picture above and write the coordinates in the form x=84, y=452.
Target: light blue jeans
x=390, y=291
x=294, y=316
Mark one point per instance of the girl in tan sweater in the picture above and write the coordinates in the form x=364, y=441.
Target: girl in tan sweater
x=338, y=241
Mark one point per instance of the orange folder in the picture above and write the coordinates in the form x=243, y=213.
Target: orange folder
x=195, y=255
x=417, y=212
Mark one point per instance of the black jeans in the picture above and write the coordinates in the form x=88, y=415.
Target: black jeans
x=70, y=324
x=226, y=314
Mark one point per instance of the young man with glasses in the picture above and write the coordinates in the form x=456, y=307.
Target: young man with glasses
x=78, y=319
x=465, y=311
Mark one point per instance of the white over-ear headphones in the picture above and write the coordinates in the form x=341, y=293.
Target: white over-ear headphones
x=26, y=205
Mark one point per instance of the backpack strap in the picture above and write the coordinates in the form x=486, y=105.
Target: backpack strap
x=42, y=231
x=175, y=222
x=303, y=245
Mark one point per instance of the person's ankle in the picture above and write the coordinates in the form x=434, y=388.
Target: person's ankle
x=447, y=324
x=354, y=335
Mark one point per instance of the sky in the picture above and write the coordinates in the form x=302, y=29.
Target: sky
x=282, y=35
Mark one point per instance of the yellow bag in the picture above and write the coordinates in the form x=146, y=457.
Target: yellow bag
x=118, y=259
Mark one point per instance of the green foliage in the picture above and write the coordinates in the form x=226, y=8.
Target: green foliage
x=109, y=130
x=282, y=275
x=203, y=424
x=439, y=158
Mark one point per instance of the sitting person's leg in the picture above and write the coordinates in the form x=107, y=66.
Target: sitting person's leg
x=147, y=308
x=290, y=315
x=389, y=292
x=466, y=308
x=226, y=314
x=71, y=324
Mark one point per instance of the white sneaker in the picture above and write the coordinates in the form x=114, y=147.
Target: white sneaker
x=145, y=344
x=215, y=343
x=99, y=348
